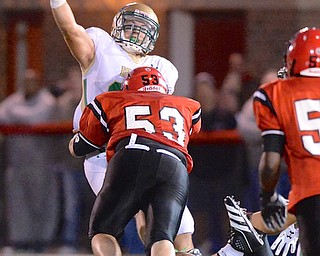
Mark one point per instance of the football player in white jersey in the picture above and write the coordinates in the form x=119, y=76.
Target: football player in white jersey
x=105, y=59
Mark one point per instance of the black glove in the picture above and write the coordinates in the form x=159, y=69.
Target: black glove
x=273, y=210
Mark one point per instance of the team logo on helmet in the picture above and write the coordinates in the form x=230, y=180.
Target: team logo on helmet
x=302, y=57
x=145, y=79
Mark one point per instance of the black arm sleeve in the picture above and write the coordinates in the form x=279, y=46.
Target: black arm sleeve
x=273, y=142
x=82, y=147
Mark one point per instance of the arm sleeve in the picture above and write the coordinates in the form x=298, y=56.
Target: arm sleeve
x=81, y=146
x=274, y=143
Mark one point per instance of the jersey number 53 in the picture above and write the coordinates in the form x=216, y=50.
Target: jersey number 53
x=166, y=114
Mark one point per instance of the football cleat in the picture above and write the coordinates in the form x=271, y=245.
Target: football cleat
x=195, y=252
x=244, y=237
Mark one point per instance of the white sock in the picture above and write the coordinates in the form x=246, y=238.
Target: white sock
x=229, y=251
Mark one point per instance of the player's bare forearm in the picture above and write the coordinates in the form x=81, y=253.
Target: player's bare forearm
x=257, y=222
x=269, y=170
x=64, y=17
x=75, y=36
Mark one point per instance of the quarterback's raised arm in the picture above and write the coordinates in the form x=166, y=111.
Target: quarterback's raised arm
x=78, y=41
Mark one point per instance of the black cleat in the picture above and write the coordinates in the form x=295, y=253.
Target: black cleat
x=244, y=237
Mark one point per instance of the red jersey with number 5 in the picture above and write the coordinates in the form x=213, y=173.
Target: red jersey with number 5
x=291, y=108
x=164, y=118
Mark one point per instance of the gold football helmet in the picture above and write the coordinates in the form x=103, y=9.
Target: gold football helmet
x=136, y=28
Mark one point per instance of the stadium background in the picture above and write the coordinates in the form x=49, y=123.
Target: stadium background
x=196, y=35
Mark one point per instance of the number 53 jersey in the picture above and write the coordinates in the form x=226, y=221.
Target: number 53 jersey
x=291, y=108
x=164, y=118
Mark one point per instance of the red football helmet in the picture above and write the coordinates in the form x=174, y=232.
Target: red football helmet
x=145, y=79
x=303, y=53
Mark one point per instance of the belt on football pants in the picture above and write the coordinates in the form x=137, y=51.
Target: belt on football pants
x=142, y=143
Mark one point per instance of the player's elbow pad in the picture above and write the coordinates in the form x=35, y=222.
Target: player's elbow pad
x=81, y=147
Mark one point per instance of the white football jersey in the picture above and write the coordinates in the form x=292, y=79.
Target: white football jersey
x=110, y=67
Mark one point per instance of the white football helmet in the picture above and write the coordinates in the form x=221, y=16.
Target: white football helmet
x=136, y=28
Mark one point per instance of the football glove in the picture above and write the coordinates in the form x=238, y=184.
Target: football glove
x=273, y=210
x=282, y=73
x=299, y=250
x=287, y=240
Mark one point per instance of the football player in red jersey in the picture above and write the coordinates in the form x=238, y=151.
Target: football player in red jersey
x=147, y=132
x=105, y=59
x=288, y=114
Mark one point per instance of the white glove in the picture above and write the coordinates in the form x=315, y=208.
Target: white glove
x=287, y=240
x=299, y=250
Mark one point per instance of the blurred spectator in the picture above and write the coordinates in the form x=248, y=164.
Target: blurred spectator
x=30, y=185
x=68, y=93
x=210, y=179
x=239, y=84
x=214, y=116
x=74, y=190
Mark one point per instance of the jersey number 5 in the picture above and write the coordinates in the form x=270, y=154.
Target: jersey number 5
x=132, y=122
x=304, y=108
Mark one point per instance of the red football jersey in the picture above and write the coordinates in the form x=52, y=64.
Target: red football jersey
x=164, y=118
x=291, y=108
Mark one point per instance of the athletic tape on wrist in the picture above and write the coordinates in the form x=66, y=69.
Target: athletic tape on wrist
x=56, y=3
